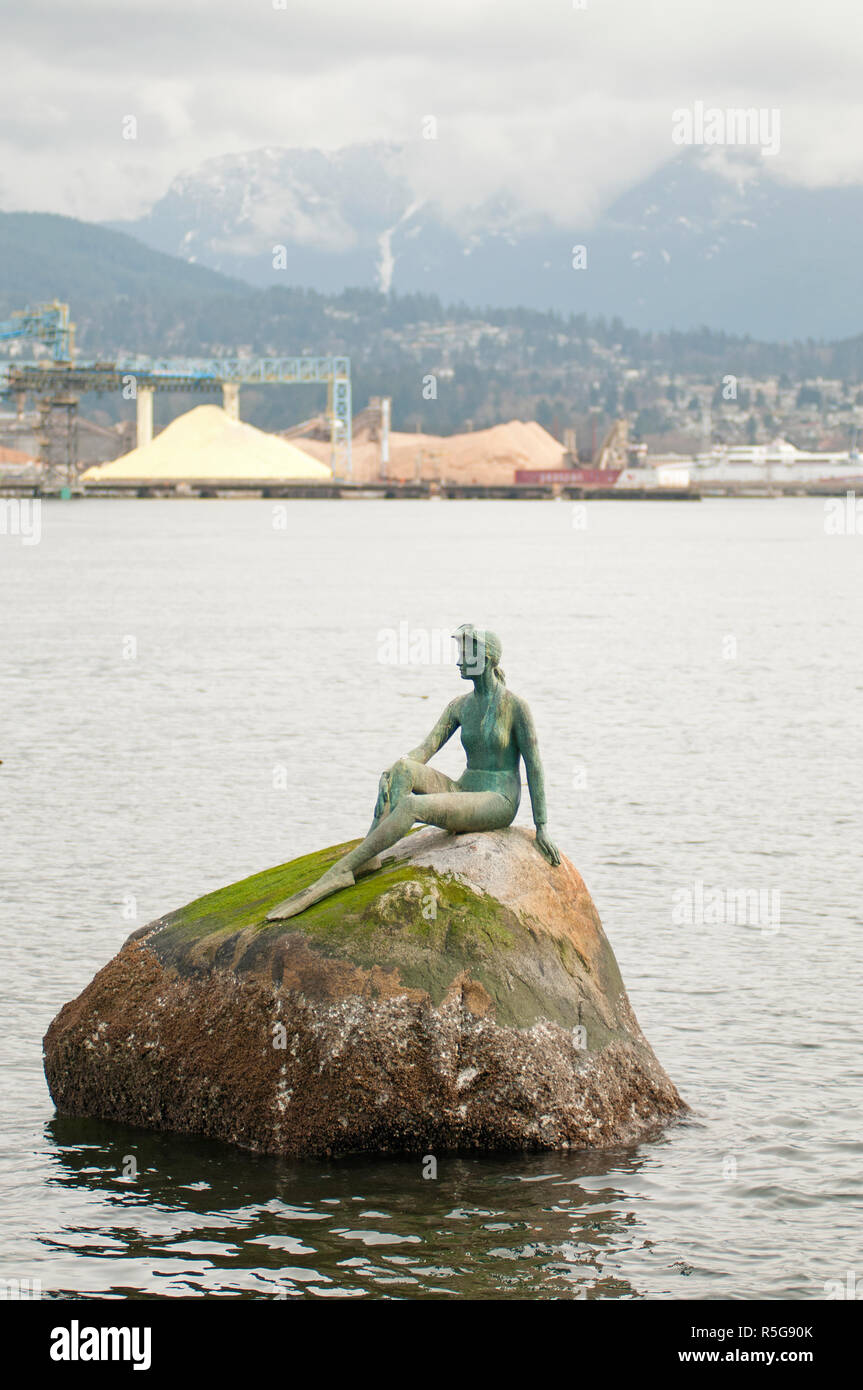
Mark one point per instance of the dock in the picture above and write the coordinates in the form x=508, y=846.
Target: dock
x=392, y=490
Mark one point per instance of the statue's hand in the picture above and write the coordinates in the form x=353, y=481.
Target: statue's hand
x=547, y=848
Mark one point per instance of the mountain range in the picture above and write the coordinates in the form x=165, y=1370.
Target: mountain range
x=700, y=241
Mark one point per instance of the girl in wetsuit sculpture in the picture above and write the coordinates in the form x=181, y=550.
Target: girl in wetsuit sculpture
x=496, y=732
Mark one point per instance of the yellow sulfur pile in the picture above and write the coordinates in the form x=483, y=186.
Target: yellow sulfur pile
x=205, y=443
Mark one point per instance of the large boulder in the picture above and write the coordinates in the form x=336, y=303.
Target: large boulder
x=462, y=996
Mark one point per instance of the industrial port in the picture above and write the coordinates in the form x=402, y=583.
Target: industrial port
x=210, y=451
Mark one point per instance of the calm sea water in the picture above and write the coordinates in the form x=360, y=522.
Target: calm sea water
x=696, y=674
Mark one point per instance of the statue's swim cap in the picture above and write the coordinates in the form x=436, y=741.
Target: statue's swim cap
x=475, y=640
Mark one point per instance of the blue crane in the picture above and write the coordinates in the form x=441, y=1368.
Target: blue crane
x=49, y=323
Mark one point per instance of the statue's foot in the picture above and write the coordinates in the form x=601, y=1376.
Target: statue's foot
x=370, y=867
x=328, y=883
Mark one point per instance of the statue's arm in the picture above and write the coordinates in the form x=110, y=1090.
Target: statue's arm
x=442, y=731
x=528, y=746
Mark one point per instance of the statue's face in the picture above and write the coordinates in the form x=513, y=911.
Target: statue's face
x=470, y=656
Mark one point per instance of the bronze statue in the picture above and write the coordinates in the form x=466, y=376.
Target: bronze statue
x=496, y=733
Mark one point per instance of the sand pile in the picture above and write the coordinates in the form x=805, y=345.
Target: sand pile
x=483, y=456
x=207, y=443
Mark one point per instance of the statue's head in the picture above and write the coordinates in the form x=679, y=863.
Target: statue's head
x=477, y=649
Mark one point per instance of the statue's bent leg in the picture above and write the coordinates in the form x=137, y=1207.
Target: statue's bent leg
x=404, y=777
x=456, y=811
x=461, y=812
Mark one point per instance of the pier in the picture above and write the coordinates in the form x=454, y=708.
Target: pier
x=391, y=490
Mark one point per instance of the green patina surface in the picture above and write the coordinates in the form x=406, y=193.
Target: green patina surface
x=427, y=926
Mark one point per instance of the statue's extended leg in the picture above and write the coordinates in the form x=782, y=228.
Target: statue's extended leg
x=341, y=875
x=452, y=810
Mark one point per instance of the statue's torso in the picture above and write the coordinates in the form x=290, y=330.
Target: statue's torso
x=491, y=749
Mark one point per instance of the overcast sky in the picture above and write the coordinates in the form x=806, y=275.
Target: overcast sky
x=555, y=106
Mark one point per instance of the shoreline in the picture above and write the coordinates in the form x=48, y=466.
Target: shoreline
x=258, y=489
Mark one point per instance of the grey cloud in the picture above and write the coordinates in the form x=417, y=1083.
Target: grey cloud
x=552, y=107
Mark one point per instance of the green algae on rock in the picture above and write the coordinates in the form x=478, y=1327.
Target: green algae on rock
x=463, y=996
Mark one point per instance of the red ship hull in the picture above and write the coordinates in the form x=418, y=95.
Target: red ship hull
x=576, y=477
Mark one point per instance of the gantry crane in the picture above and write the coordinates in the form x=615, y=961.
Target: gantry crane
x=53, y=382
x=55, y=404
